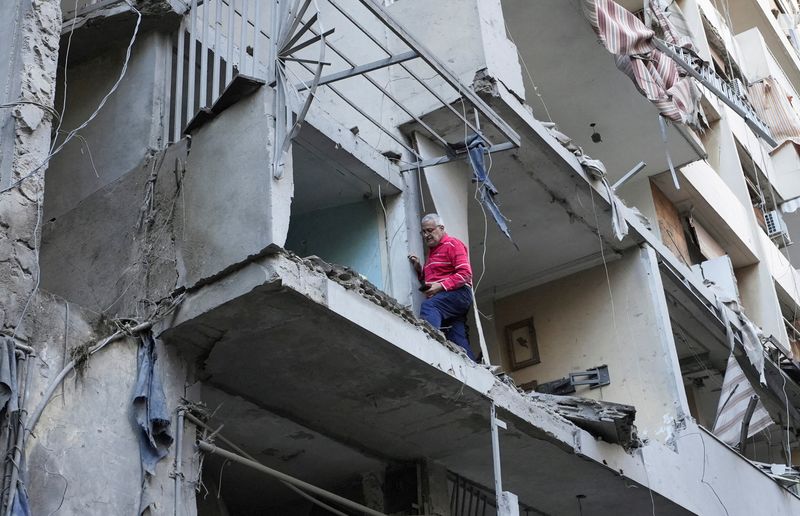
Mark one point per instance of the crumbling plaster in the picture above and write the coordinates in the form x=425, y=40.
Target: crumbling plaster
x=125, y=263
x=83, y=455
x=36, y=30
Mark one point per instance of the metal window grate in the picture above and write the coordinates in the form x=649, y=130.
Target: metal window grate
x=221, y=38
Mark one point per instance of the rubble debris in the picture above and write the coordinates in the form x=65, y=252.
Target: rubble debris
x=352, y=280
x=611, y=422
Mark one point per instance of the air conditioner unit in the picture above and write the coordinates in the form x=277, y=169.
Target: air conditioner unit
x=776, y=227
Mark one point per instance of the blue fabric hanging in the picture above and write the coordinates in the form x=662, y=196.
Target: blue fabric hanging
x=476, y=149
x=150, y=407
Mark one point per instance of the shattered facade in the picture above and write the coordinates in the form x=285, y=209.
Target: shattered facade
x=207, y=207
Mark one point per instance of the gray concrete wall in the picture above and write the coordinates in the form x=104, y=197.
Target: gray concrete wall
x=125, y=129
x=234, y=208
x=576, y=330
x=32, y=66
x=84, y=456
x=113, y=253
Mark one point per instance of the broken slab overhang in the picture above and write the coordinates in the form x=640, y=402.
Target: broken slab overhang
x=580, y=84
x=696, y=314
x=613, y=422
x=547, y=197
x=283, y=335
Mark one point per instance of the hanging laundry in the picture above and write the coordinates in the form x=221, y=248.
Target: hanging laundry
x=733, y=400
x=772, y=104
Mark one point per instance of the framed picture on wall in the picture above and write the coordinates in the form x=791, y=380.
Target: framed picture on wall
x=523, y=350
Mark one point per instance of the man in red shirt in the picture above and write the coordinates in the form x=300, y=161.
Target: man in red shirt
x=447, y=278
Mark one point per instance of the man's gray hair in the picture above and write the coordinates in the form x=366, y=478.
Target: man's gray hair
x=433, y=217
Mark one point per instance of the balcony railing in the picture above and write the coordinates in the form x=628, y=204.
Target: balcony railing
x=720, y=87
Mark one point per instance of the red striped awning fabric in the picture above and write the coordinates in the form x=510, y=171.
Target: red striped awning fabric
x=656, y=75
x=773, y=106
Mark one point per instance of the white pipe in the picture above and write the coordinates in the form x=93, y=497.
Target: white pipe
x=210, y=448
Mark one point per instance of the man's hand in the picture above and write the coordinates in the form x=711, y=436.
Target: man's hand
x=433, y=289
x=415, y=262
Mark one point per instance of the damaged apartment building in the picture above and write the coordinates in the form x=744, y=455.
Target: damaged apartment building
x=206, y=213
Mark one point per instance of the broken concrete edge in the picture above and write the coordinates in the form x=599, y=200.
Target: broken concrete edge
x=612, y=421
x=333, y=286
x=354, y=145
x=156, y=14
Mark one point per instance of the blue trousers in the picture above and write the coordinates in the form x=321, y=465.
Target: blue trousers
x=449, y=309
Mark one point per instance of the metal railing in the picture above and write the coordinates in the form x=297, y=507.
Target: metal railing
x=468, y=498
x=217, y=40
x=720, y=87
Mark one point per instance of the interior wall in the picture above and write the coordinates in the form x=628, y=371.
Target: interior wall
x=346, y=235
x=704, y=397
x=575, y=329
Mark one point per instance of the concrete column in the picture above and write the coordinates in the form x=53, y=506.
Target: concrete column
x=436, y=501
x=29, y=35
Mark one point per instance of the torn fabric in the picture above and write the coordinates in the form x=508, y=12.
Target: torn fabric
x=773, y=106
x=597, y=170
x=656, y=75
x=733, y=400
x=150, y=407
x=8, y=376
x=667, y=16
x=751, y=340
x=476, y=148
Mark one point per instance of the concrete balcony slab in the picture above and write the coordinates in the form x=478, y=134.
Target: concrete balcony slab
x=341, y=360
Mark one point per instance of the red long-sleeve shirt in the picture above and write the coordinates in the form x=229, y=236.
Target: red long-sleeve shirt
x=448, y=264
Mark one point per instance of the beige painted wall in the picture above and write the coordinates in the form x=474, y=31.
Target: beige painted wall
x=575, y=331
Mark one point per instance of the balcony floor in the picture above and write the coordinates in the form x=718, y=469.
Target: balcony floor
x=281, y=335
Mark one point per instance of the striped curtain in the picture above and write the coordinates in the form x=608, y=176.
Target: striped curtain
x=772, y=104
x=733, y=400
x=655, y=75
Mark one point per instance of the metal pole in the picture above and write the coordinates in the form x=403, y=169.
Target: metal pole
x=627, y=177
x=243, y=453
x=178, y=473
x=498, y=481
x=210, y=448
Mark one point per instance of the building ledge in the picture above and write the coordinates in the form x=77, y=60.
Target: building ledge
x=258, y=331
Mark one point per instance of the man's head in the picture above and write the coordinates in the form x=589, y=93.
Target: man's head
x=432, y=229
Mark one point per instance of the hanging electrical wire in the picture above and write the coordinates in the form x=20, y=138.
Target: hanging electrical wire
x=72, y=134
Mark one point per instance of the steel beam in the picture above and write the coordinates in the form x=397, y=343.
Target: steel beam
x=361, y=69
x=442, y=70
x=368, y=117
x=388, y=95
x=410, y=72
x=210, y=448
x=446, y=159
